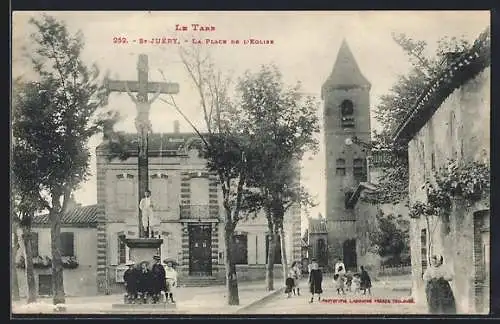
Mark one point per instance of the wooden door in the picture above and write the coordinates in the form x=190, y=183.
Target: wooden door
x=200, y=250
x=45, y=284
x=350, y=257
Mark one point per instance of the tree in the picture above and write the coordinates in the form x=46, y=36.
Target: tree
x=391, y=237
x=56, y=116
x=228, y=148
x=25, y=186
x=394, y=107
x=14, y=250
x=284, y=124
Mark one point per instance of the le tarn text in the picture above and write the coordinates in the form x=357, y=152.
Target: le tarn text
x=194, y=27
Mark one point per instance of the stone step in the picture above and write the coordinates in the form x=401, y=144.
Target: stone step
x=193, y=281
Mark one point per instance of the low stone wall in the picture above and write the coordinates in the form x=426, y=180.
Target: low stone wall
x=244, y=272
x=395, y=270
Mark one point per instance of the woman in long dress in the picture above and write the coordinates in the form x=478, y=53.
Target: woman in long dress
x=315, y=281
x=440, y=299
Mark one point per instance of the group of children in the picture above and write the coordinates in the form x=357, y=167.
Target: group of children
x=352, y=282
x=150, y=283
x=343, y=280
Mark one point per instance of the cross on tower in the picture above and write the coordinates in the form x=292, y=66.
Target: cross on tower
x=142, y=123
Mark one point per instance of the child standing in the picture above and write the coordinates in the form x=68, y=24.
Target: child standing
x=348, y=281
x=292, y=281
x=366, y=282
x=356, y=283
x=171, y=280
x=338, y=281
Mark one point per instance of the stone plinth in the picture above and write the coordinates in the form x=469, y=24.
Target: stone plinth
x=143, y=249
x=146, y=308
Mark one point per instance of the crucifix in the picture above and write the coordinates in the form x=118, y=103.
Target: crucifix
x=142, y=123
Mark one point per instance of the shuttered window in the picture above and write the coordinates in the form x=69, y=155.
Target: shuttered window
x=67, y=244
x=359, y=170
x=126, y=198
x=340, y=169
x=34, y=244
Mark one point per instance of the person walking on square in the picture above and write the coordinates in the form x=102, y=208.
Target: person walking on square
x=366, y=281
x=171, y=280
x=315, y=281
x=440, y=299
x=158, y=278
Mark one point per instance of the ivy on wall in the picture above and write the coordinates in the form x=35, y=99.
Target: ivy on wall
x=469, y=181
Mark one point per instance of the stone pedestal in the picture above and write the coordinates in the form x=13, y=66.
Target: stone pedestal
x=143, y=308
x=143, y=249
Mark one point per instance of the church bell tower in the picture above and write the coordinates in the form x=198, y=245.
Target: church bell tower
x=346, y=97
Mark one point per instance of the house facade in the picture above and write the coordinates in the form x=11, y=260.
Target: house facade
x=452, y=122
x=188, y=200
x=78, y=242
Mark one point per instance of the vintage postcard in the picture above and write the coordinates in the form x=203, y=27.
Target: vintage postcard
x=329, y=162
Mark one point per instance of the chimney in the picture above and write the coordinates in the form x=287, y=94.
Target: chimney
x=176, y=126
x=71, y=204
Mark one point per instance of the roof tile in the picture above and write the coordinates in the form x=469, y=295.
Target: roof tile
x=78, y=215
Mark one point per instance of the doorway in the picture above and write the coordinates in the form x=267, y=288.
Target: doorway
x=349, y=253
x=200, y=250
x=45, y=284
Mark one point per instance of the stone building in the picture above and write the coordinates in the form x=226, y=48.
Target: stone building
x=78, y=241
x=317, y=239
x=452, y=121
x=365, y=212
x=188, y=201
x=346, y=95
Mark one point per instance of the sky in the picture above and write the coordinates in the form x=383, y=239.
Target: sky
x=305, y=45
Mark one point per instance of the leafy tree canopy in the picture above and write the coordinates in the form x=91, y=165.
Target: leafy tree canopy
x=395, y=105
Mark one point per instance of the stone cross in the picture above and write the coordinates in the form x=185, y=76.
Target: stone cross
x=142, y=122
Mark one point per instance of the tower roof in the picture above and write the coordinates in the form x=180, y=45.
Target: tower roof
x=346, y=72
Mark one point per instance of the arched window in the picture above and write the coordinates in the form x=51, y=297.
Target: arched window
x=340, y=168
x=359, y=170
x=347, y=114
